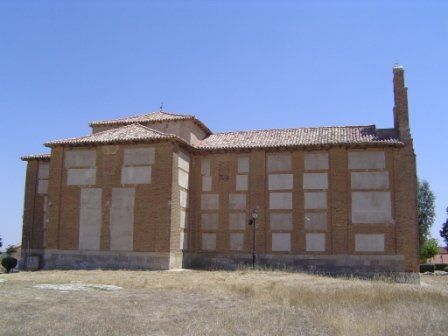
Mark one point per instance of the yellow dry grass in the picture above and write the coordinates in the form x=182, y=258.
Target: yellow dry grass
x=222, y=303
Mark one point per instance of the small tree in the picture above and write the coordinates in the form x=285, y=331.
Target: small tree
x=444, y=231
x=425, y=210
x=11, y=249
x=9, y=263
x=1, y=244
x=429, y=249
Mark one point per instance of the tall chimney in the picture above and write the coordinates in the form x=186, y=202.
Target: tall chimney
x=401, y=112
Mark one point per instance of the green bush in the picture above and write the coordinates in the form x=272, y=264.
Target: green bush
x=9, y=263
x=441, y=267
x=427, y=268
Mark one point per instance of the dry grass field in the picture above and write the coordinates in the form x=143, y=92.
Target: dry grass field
x=218, y=303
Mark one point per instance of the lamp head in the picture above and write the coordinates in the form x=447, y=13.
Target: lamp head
x=254, y=214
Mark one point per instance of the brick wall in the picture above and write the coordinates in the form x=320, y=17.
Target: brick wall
x=341, y=235
x=222, y=188
x=152, y=200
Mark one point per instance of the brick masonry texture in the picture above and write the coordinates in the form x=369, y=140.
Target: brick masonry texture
x=313, y=171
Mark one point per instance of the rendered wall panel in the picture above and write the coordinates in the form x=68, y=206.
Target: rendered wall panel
x=209, y=201
x=279, y=162
x=366, y=160
x=136, y=175
x=316, y=161
x=139, y=156
x=371, y=207
x=81, y=176
x=90, y=218
x=280, y=200
x=80, y=158
x=122, y=219
x=280, y=221
x=281, y=242
x=280, y=181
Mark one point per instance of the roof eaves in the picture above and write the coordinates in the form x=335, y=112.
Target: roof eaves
x=302, y=146
x=42, y=157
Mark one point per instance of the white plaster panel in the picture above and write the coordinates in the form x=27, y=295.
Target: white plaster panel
x=44, y=170
x=206, y=183
x=209, y=241
x=281, y=221
x=136, y=175
x=281, y=242
x=279, y=162
x=209, y=221
x=138, y=156
x=183, y=241
x=183, y=195
x=209, y=201
x=81, y=176
x=122, y=219
x=366, y=160
x=371, y=207
x=183, y=219
x=237, y=221
x=242, y=182
x=243, y=165
x=236, y=241
x=237, y=201
x=316, y=161
x=316, y=200
x=183, y=179
x=370, y=180
x=45, y=210
x=42, y=187
x=80, y=158
x=205, y=167
x=369, y=242
x=280, y=181
x=280, y=200
x=193, y=138
x=316, y=221
x=315, y=242
x=315, y=181
x=90, y=219
x=184, y=161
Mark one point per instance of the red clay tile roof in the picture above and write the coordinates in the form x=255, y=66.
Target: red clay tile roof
x=152, y=117
x=318, y=136
x=36, y=157
x=129, y=133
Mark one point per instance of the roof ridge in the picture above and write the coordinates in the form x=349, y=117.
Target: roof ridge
x=293, y=128
x=175, y=114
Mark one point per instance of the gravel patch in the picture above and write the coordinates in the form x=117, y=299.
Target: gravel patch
x=77, y=287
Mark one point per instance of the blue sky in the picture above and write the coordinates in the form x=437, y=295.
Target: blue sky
x=234, y=64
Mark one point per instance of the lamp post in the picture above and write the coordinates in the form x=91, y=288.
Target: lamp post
x=252, y=221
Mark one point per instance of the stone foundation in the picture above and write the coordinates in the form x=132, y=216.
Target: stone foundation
x=362, y=266
x=57, y=259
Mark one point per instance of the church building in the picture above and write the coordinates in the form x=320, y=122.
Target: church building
x=162, y=191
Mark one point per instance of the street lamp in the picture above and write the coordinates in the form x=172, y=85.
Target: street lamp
x=252, y=221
